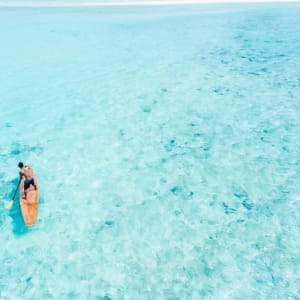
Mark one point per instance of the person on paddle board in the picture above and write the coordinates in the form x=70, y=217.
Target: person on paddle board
x=27, y=172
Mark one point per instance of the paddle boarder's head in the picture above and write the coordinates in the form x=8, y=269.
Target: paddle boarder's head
x=20, y=165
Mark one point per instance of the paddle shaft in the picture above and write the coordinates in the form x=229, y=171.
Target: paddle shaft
x=16, y=190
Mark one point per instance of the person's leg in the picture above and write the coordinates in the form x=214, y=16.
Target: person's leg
x=34, y=185
x=27, y=184
x=23, y=194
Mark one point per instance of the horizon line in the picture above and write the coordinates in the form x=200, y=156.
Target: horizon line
x=135, y=3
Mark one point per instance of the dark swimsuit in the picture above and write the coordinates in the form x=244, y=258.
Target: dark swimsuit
x=28, y=182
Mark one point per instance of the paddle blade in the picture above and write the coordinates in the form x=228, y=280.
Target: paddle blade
x=9, y=204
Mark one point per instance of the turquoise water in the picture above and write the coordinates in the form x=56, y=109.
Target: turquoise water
x=166, y=147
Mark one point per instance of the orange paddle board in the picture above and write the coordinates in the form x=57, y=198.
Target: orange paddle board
x=29, y=206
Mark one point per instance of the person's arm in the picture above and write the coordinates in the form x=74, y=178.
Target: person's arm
x=23, y=195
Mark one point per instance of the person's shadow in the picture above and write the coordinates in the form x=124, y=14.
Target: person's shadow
x=19, y=227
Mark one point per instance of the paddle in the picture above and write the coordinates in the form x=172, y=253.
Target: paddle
x=11, y=202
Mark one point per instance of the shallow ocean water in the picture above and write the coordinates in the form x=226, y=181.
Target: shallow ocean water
x=166, y=147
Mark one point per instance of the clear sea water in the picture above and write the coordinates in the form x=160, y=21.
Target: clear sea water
x=166, y=147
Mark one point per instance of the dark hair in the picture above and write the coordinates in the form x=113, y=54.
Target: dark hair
x=20, y=165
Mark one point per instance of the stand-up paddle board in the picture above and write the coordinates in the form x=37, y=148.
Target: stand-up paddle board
x=29, y=205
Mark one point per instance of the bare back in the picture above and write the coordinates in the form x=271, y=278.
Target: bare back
x=27, y=172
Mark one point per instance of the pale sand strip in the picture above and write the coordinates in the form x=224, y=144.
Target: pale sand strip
x=132, y=3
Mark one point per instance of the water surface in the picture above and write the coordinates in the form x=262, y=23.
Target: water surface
x=166, y=146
